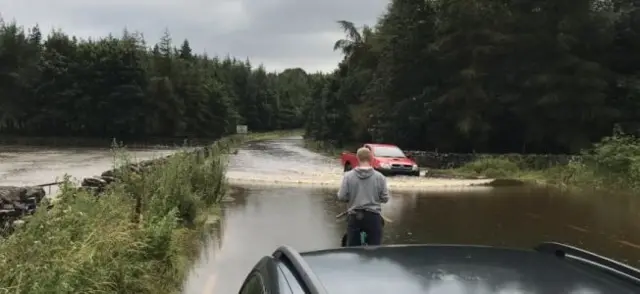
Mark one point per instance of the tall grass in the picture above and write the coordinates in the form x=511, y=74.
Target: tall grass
x=612, y=164
x=139, y=236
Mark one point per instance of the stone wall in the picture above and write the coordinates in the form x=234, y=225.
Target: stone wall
x=17, y=202
x=97, y=184
x=437, y=160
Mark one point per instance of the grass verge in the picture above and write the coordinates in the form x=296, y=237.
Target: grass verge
x=140, y=236
x=612, y=164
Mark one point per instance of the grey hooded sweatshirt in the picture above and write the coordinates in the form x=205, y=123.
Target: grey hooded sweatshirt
x=364, y=188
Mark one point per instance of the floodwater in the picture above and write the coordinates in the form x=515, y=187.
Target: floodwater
x=25, y=166
x=264, y=217
x=286, y=163
x=284, y=194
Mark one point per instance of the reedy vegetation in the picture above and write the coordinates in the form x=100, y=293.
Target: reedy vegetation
x=140, y=236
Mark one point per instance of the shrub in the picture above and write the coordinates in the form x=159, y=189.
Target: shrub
x=614, y=162
x=493, y=167
x=137, y=237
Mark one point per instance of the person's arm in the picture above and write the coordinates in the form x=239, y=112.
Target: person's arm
x=384, y=191
x=343, y=192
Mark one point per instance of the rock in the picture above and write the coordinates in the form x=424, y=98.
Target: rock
x=20, y=206
x=108, y=179
x=110, y=173
x=9, y=194
x=18, y=202
x=135, y=168
x=147, y=163
x=36, y=193
x=94, y=182
x=5, y=213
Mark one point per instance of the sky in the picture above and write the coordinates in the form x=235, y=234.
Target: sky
x=276, y=33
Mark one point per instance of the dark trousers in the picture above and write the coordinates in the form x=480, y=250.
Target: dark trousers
x=369, y=222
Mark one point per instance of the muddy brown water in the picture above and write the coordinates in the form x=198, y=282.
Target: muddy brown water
x=262, y=218
x=26, y=165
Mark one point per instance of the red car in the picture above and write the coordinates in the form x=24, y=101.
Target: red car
x=387, y=159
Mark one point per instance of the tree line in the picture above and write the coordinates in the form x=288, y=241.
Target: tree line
x=524, y=76
x=120, y=87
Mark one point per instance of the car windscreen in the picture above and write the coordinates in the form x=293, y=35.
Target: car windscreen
x=388, y=151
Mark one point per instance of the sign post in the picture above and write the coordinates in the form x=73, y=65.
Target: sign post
x=242, y=129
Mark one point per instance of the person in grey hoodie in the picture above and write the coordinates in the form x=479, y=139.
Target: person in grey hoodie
x=364, y=189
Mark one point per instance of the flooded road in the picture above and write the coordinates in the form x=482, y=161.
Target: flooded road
x=264, y=217
x=287, y=163
x=284, y=194
x=24, y=166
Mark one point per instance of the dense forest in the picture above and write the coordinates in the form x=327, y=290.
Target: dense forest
x=525, y=76
x=122, y=87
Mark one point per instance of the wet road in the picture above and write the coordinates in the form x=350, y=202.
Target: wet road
x=262, y=218
x=286, y=163
x=23, y=166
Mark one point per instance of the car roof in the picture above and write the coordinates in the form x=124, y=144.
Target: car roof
x=456, y=269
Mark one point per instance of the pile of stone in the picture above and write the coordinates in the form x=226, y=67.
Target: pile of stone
x=17, y=202
x=97, y=184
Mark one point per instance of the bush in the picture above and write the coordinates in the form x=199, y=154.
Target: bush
x=492, y=167
x=613, y=163
x=137, y=237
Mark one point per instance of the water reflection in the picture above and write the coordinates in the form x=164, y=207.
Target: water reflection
x=261, y=219
x=255, y=225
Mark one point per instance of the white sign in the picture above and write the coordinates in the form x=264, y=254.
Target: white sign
x=242, y=129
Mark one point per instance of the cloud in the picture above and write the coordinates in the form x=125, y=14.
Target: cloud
x=276, y=33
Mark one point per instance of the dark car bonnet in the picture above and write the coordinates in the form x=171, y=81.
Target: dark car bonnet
x=457, y=269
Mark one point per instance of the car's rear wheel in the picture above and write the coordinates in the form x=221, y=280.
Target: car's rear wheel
x=416, y=174
x=347, y=167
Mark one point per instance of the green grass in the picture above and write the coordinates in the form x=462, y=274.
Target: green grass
x=612, y=165
x=140, y=236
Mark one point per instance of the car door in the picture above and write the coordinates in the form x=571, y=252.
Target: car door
x=254, y=284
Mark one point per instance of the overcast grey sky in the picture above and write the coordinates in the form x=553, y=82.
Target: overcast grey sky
x=276, y=33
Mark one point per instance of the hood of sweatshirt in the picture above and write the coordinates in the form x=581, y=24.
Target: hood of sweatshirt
x=363, y=172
